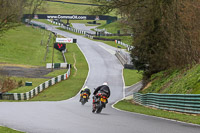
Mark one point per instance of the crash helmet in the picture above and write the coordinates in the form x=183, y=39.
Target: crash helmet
x=105, y=83
x=86, y=87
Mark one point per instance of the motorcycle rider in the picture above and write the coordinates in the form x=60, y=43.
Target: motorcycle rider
x=103, y=88
x=87, y=90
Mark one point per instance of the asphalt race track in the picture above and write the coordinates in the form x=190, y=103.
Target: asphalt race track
x=69, y=116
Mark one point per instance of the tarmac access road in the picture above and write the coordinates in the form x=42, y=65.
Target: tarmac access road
x=69, y=116
x=83, y=27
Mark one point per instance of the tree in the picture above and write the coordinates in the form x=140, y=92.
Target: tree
x=166, y=32
x=11, y=12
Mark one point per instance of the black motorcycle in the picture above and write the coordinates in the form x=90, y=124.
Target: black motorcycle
x=99, y=102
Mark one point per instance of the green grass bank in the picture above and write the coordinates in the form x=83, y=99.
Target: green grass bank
x=61, y=8
x=131, y=76
x=22, y=45
x=182, y=81
x=8, y=130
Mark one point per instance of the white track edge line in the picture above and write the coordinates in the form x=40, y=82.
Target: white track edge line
x=151, y=115
x=123, y=83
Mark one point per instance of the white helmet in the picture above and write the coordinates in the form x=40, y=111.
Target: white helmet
x=105, y=83
x=86, y=86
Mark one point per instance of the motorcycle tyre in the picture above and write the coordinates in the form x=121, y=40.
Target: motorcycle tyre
x=83, y=101
x=99, y=108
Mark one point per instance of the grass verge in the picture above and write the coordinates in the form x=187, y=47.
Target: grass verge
x=127, y=105
x=67, y=88
x=69, y=31
x=124, y=39
x=23, y=89
x=183, y=81
x=112, y=43
x=131, y=76
x=8, y=130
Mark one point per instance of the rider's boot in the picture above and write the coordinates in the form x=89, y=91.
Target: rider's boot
x=80, y=100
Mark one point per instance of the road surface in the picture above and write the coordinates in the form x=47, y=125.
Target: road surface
x=84, y=27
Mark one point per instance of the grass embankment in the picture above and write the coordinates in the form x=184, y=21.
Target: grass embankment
x=128, y=106
x=77, y=1
x=23, y=46
x=184, y=81
x=60, y=8
x=8, y=130
x=112, y=27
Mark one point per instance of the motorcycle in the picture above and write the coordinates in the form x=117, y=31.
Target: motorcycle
x=84, y=98
x=100, y=102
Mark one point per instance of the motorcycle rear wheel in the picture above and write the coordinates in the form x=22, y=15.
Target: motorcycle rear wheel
x=99, y=108
x=83, y=101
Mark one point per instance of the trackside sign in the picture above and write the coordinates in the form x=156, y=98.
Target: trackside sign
x=76, y=17
x=65, y=40
x=69, y=16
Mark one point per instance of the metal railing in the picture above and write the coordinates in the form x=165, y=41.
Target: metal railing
x=186, y=103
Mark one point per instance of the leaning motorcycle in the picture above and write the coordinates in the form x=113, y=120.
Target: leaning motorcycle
x=99, y=102
x=84, y=98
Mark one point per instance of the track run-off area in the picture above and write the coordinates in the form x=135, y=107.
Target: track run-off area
x=69, y=116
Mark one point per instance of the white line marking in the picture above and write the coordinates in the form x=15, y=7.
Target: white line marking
x=123, y=83
x=152, y=116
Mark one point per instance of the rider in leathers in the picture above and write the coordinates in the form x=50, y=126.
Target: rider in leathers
x=103, y=88
x=87, y=90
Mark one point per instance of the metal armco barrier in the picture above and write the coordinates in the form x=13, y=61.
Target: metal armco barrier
x=120, y=58
x=36, y=25
x=186, y=103
x=129, y=47
x=74, y=30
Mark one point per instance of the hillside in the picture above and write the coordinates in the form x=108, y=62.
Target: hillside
x=183, y=81
x=18, y=44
